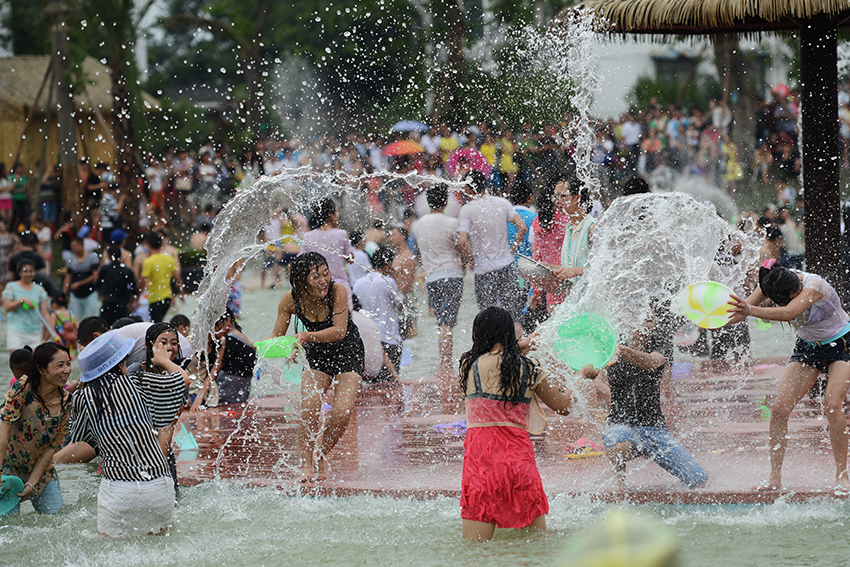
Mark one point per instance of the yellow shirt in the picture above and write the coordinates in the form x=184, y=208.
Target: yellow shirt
x=158, y=270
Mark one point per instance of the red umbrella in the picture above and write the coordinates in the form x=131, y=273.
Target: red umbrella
x=402, y=148
x=468, y=158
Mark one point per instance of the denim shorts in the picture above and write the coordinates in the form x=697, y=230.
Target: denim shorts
x=48, y=502
x=444, y=298
x=821, y=356
x=657, y=444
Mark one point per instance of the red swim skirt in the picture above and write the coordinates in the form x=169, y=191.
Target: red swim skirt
x=501, y=484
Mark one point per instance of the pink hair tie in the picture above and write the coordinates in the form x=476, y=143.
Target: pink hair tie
x=768, y=264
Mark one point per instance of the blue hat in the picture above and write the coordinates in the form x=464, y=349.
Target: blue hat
x=102, y=354
x=117, y=236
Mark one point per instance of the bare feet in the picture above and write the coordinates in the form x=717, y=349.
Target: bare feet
x=842, y=484
x=322, y=473
x=308, y=474
x=768, y=485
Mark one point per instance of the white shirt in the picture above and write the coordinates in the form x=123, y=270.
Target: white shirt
x=381, y=300
x=485, y=219
x=436, y=237
x=360, y=267
x=630, y=131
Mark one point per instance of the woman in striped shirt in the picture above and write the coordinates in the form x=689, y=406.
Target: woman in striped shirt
x=124, y=413
x=163, y=335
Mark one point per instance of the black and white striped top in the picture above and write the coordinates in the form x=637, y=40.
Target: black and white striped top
x=135, y=407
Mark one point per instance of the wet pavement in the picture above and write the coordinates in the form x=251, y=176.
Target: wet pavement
x=406, y=440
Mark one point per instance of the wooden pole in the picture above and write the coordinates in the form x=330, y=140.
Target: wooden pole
x=821, y=150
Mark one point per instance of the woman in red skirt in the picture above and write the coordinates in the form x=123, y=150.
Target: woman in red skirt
x=501, y=486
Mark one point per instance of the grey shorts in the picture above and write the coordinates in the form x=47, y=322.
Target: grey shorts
x=444, y=298
x=500, y=288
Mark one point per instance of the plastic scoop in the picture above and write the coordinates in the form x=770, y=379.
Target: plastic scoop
x=707, y=304
x=276, y=347
x=9, y=498
x=585, y=338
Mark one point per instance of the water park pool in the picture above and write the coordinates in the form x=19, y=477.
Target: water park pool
x=251, y=515
x=223, y=524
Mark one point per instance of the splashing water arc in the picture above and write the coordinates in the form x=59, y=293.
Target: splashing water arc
x=646, y=250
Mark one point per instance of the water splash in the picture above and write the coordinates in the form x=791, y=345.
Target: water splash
x=646, y=250
x=569, y=50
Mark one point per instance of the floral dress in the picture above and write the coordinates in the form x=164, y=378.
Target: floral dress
x=34, y=431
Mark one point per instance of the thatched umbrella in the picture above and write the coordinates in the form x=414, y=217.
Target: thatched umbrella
x=817, y=22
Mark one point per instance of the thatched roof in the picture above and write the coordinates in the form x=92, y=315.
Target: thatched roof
x=21, y=77
x=669, y=17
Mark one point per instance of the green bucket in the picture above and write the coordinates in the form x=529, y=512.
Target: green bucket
x=276, y=347
x=9, y=498
x=585, y=338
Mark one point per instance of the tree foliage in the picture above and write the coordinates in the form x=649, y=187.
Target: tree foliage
x=698, y=92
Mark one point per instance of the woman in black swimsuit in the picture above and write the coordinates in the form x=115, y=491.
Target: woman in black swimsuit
x=334, y=352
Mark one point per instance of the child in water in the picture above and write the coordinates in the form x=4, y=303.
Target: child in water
x=814, y=309
x=501, y=485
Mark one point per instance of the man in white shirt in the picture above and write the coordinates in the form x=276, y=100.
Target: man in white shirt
x=380, y=300
x=439, y=250
x=630, y=131
x=483, y=236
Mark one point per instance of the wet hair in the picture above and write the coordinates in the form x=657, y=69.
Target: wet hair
x=382, y=257
x=492, y=326
x=180, y=321
x=778, y=283
x=577, y=187
x=154, y=240
x=299, y=271
x=321, y=211
x=24, y=262
x=546, y=207
x=438, y=196
x=88, y=327
x=772, y=233
x=123, y=322
x=41, y=358
x=20, y=359
x=476, y=180
x=114, y=252
x=356, y=238
x=151, y=336
x=521, y=192
x=635, y=186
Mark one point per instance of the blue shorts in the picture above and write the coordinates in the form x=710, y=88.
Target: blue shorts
x=48, y=502
x=444, y=298
x=657, y=444
x=821, y=356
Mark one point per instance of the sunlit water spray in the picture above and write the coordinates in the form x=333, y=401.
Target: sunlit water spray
x=569, y=50
x=648, y=248
x=234, y=241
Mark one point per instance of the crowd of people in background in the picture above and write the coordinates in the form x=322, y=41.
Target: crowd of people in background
x=377, y=247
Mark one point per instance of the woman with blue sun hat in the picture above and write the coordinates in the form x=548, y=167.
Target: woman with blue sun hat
x=124, y=413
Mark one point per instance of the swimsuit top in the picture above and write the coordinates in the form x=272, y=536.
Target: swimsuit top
x=325, y=323
x=484, y=407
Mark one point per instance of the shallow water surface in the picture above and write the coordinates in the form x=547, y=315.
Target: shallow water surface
x=223, y=524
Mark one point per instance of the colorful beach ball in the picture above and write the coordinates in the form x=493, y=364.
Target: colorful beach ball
x=707, y=304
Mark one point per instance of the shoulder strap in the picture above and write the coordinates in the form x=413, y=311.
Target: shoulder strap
x=476, y=377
